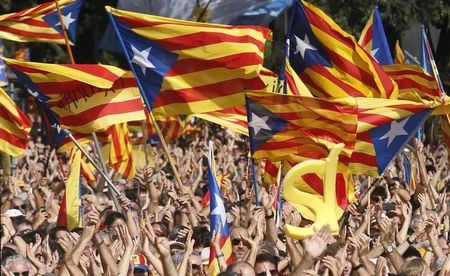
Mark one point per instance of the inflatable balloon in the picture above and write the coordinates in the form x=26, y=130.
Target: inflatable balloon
x=324, y=209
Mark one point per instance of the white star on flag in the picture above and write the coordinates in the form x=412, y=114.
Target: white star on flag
x=67, y=20
x=303, y=45
x=258, y=123
x=220, y=209
x=397, y=129
x=141, y=58
x=374, y=52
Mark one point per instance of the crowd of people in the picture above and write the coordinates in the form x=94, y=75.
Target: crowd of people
x=160, y=227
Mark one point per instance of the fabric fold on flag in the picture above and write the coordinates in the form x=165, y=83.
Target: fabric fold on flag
x=14, y=127
x=41, y=23
x=282, y=125
x=185, y=67
x=120, y=150
x=82, y=97
x=330, y=62
x=218, y=217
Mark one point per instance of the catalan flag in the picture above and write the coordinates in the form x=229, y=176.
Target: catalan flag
x=120, y=150
x=69, y=212
x=83, y=97
x=232, y=118
x=41, y=23
x=14, y=127
x=283, y=125
x=384, y=127
x=271, y=172
x=373, y=39
x=218, y=217
x=3, y=77
x=187, y=67
x=330, y=62
x=445, y=128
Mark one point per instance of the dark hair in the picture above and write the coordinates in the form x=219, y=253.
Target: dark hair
x=411, y=252
x=165, y=231
x=55, y=231
x=228, y=273
x=201, y=236
x=6, y=252
x=265, y=257
x=112, y=217
x=78, y=230
x=174, y=233
x=17, y=221
x=378, y=192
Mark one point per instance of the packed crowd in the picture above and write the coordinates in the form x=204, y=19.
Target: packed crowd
x=160, y=227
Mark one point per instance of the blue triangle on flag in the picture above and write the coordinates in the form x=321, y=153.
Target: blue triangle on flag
x=305, y=49
x=148, y=61
x=389, y=139
x=69, y=15
x=380, y=46
x=262, y=124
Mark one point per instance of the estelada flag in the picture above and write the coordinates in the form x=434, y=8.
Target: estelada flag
x=82, y=97
x=185, y=67
x=41, y=23
x=330, y=62
x=14, y=127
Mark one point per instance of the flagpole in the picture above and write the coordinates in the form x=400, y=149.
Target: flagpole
x=255, y=183
x=166, y=150
x=94, y=135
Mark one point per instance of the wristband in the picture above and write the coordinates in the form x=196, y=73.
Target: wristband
x=357, y=267
x=219, y=255
x=272, y=215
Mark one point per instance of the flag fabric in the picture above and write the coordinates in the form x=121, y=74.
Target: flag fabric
x=271, y=172
x=3, y=77
x=120, y=150
x=233, y=118
x=330, y=62
x=67, y=144
x=282, y=125
x=427, y=60
x=384, y=127
x=374, y=41
x=399, y=56
x=186, y=67
x=445, y=129
x=69, y=212
x=414, y=83
x=218, y=217
x=14, y=127
x=82, y=97
x=41, y=23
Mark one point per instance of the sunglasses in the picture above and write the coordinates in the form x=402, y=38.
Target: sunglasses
x=23, y=206
x=195, y=267
x=24, y=273
x=236, y=241
x=271, y=272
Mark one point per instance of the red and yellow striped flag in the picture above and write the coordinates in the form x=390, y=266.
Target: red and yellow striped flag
x=14, y=127
x=69, y=212
x=41, y=23
x=120, y=150
x=399, y=56
x=85, y=97
x=330, y=62
x=191, y=67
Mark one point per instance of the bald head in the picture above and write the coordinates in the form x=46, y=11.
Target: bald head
x=242, y=268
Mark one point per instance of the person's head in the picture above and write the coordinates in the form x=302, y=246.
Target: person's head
x=242, y=268
x=21, y=223
x=196, y=265
x=102, y=200
x=201, y=237
x=18, y=265
x=160, y=229
x=266, y=264
x=19, y=204
x=238, y=244
x=414, y=267
x=378, y=195
x=112, y=221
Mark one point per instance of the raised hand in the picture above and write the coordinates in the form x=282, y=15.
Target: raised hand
x=316, y=244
